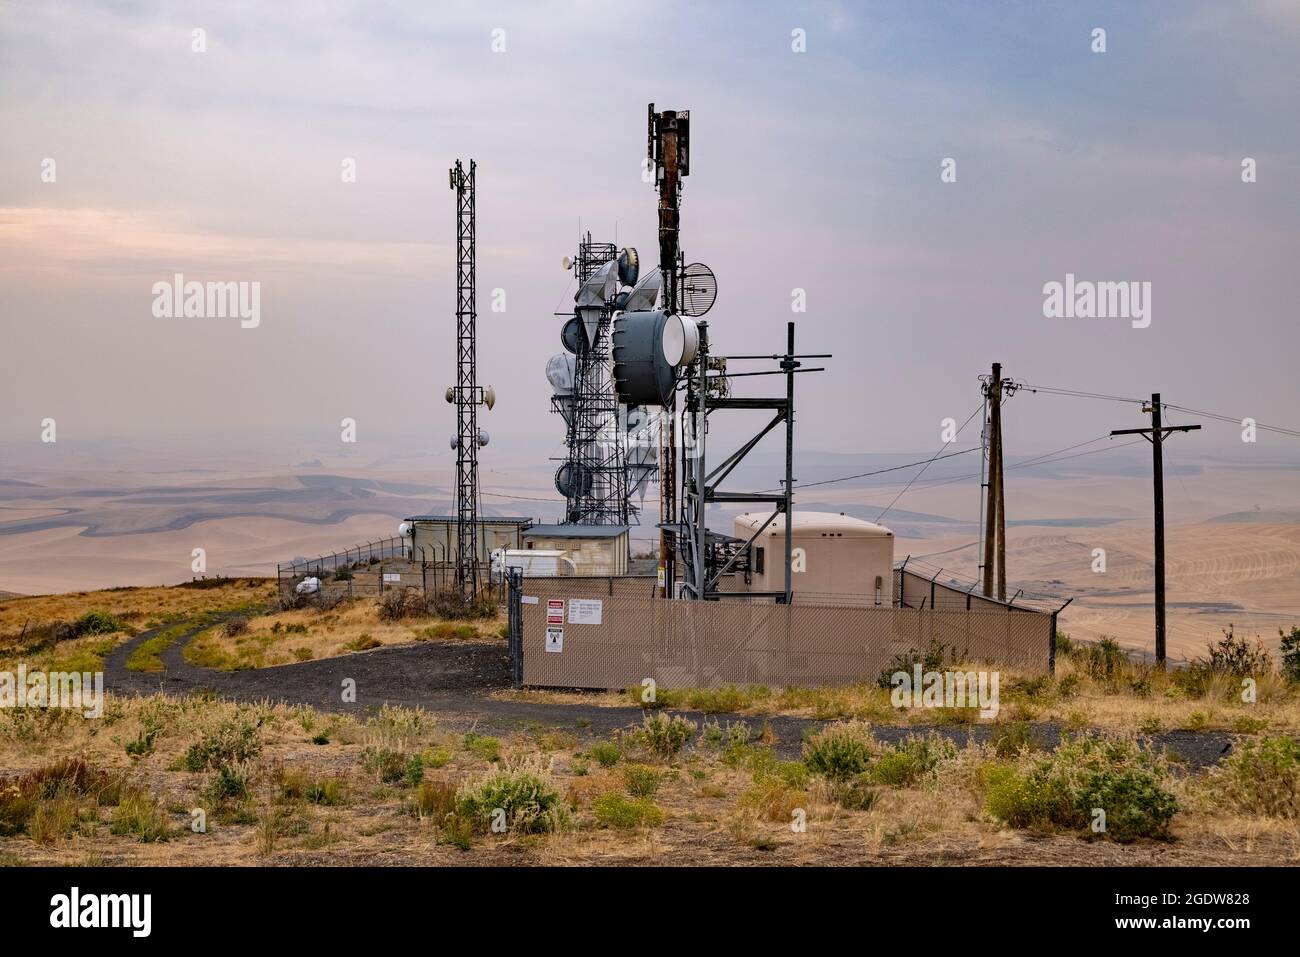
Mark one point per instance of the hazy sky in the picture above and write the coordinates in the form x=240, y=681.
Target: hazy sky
x=817, y=170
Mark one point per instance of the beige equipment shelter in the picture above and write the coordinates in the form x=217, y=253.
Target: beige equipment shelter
x=835, y=556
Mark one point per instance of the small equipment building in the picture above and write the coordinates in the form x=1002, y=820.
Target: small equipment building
x=433, y=537
x=836, y=556
x=593, y=549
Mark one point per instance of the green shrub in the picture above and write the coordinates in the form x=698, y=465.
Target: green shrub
x=1013, y=738
x=1120, y=777
x=232, y=741
x=387, y=765
x=229, y=783
x=1290, y=650
x=523, y=793
x=96, y=623
x=622, y=813
x=856, y=794
x=665, y=736
x=330, y=792
x=1261, y=777
x=605, y=753
x=483, y=746
x=438, y=757
x=1235, y=656
x=641, y=780
x=364, y=642
x=911, y=760
x=841, y=751
x=414, y=770
x=1103, y=660
x=931, y=658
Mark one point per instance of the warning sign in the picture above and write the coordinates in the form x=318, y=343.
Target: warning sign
x=555, y=639
x=555, y=611
x=585, y=611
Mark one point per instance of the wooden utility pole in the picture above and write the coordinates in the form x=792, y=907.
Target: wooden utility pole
x=1156, y=436
x=993, y=507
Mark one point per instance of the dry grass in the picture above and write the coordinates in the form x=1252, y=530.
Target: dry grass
x=143, y=607
x=1140, y=699
x=310, y=794
x=304, y=634
x=29, y=627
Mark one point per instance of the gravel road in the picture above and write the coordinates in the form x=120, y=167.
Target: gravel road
x=456, y=680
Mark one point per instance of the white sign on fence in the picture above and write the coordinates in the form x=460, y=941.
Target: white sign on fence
x=528, y=599
x=585, y=611
x=555, y=639
x=392, y=577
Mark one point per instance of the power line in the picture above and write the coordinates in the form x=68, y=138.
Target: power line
x=894, y=468
x=933, y=458
x=1234, y=420
x=1077, y=393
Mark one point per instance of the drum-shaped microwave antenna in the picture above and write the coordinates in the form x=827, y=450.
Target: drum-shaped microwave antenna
x=644, y=373
x=629, y=266
x=571, y=335
x=680, y=340
x=560, y=372
x=573, y=480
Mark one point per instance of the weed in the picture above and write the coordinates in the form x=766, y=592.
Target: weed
x=841, y=751
x=664, y=736
x=233, y=740
x=139, y=815
x=483, y=746
x=613, y=810
x=1261, y=776
x=641, y=780
x=520, y=798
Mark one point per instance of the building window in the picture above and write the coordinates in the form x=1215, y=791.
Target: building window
x=758, y=560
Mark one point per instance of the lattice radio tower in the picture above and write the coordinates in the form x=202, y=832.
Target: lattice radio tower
x=468, y=394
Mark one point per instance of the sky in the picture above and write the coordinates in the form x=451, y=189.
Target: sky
x=818, y=170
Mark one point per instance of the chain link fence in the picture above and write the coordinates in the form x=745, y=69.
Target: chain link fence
x=606, y=633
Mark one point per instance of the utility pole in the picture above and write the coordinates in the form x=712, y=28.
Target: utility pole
x=992, y=510
x=1156, y=436
x=995, y=515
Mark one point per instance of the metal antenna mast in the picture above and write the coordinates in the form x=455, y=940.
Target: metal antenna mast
x=668, y=146
x=468, y=395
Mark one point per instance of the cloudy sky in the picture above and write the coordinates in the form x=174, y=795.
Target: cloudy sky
x=816, y=170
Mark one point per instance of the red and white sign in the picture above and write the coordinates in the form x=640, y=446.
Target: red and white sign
x=555, y=611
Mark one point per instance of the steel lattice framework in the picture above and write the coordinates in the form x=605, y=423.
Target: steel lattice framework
x=596, y=461
x=468, y=394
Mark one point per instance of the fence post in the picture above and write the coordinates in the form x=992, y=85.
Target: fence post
x=515, y=619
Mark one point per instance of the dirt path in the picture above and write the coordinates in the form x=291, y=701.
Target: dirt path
x=457, y=679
